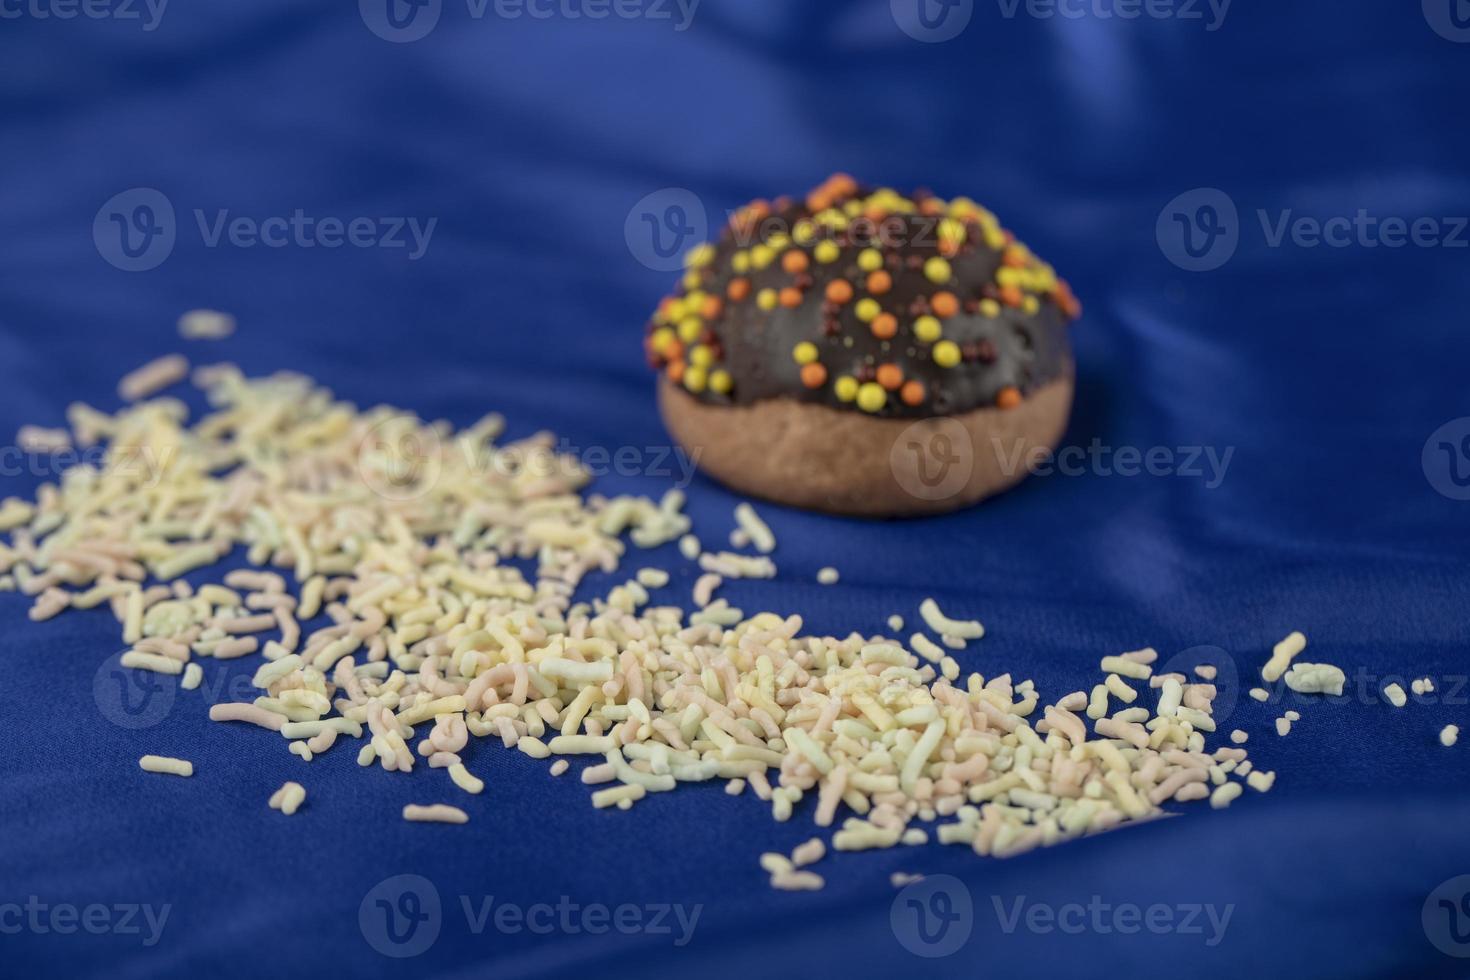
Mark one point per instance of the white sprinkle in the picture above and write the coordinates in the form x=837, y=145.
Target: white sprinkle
x=895, y=623
x=34, y=439
x=193, y=675
x=1283, y=726
x=206, y=325
x=465, y=780
x=1449, y=735
x=828, y=575
x=1307, y=678
x=288, y=798
x=653, y=578
x=1281, y=657
x=1260, y=694
x=1261, y=781
x=1224, y=795
x=437, y=813
x=1395, y=695
x=1239, y=737
x=756, y=529
x=166, y=764
x=939, y=623
x=689, y=547
x=153, y=377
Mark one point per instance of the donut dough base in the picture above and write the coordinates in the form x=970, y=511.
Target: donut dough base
x=845, y=462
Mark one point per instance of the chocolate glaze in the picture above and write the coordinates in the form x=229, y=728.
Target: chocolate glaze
x=1013, y=349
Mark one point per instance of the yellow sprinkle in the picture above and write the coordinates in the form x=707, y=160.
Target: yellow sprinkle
x=740, y=262
x=804, y=232
x=677, y=310
x=937, y=270
x=701, y=356
x=845, y=388
x=952, y=231
x=805, y=352
x=694, y=378
x=946, y=353
x=994, y=237
x=660, y=339
x=989, y=307
x=762, y=256
x=720, y=382
x=699, y=256
x=827, y=252
x=927, y=329
x=871, y=397
x=870, y=260
x=691, y=279
x=778, y=242
x=852, y=208
x=867, y=309
x=767, y=299
x=690, y=328
x=1030, y=304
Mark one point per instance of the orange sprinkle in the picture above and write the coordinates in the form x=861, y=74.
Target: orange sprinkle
x=876, y=213
x=944, y=304
x=1064, y=298
x=1011, y=295
x=711, y=307
x=676, y=371
x=912, y=393
x=674, y=350
x=949, y=248
x=841, y=185
x=794, y=261
x=890, y=376
x=1008, y=398
x=790, y=297
x=884, y=326
x=813, y=375
x=818, y=200
x=664, y=305
x=738, y=290
x=879, y=282
x=1014, y=258
x=839, y=291
x=931, y=206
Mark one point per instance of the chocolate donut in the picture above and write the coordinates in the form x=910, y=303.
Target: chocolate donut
x=863, y=352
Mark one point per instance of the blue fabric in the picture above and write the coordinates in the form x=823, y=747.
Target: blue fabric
x=1324, y=370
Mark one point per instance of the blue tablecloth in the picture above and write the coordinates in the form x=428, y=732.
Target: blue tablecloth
x=1257, y=205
